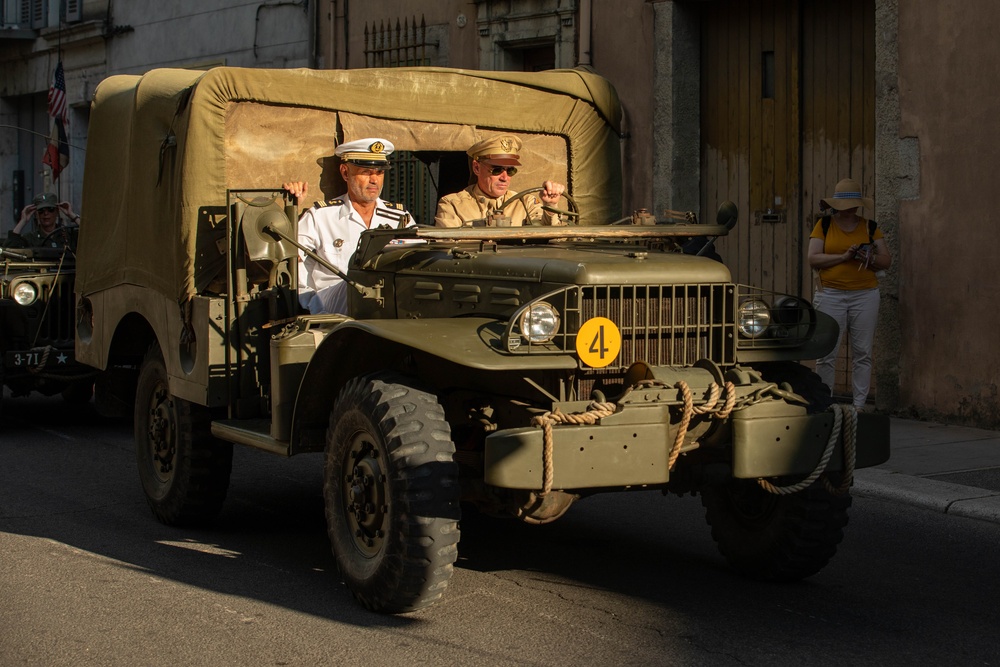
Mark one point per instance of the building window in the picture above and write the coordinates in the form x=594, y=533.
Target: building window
x=38, y=14
x=531, y=59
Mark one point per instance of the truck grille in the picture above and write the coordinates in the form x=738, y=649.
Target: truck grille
x=56, y=323
x=667, y=325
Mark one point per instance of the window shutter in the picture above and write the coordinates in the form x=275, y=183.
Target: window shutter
x=74, y=11
x=39, y=14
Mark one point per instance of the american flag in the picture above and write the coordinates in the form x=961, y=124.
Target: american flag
x=57, y=94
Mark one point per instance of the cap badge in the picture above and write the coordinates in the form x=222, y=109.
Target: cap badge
x=506, y=144
x=377, y=147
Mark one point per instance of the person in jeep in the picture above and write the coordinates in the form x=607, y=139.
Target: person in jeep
x=493, y=162
x=333, y=227
x=48, y=215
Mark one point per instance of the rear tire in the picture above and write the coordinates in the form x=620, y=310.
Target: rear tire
x=184, y=470
x=771, y=537
x=391, y=493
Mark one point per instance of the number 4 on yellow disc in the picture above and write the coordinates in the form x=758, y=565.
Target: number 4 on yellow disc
x=598, y=342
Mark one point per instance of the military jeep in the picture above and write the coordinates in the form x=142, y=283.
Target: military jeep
x=37, y=321
x=507, y=370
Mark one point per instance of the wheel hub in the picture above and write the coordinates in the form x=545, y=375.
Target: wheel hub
x=751, y=505
x=366, y=497
x=161, y=433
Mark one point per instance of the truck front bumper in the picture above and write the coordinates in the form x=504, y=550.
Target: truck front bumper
x=765, y=443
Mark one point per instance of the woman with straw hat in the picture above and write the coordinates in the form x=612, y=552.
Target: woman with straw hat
x=848, y=251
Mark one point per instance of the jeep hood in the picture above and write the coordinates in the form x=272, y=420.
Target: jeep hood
x=575, y=264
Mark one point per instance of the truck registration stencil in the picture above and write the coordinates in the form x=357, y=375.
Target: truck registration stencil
x=598, y=342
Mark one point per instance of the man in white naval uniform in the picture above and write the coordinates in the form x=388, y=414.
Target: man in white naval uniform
x=333, y=228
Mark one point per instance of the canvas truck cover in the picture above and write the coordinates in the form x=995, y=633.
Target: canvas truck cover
x=165, y=146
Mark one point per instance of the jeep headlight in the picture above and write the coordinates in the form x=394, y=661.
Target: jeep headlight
x=539, y=323
x=25, y=293
x=754, y=318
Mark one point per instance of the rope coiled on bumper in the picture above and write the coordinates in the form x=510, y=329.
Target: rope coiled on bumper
x=845, y=422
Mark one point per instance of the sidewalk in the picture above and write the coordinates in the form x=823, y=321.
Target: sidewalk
x=950, y=469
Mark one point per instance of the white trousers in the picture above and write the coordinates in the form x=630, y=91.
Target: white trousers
x=856, y=311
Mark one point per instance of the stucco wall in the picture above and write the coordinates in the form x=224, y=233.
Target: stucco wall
x=949, y=63
x=624, y=51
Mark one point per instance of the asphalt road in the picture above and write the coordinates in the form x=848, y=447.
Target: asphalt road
x=88, y=577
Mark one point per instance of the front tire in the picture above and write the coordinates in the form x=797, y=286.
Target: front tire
x=391, y=493
x=774, y=537
x=184, y=470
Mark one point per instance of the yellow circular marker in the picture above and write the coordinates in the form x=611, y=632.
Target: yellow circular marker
x=598, y=342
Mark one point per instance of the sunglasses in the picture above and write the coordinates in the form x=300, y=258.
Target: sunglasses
x=496, y=171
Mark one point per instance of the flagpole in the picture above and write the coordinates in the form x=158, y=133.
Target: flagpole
x=55, y=120
x=56, y=154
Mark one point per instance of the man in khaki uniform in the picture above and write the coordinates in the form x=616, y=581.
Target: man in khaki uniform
x=494, y=161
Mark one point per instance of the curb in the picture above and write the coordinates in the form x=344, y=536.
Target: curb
x=944, y=497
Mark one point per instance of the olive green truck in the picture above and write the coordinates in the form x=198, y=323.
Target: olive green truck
x=506, y=370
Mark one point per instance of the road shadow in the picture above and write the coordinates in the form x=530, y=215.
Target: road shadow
x=71, y=478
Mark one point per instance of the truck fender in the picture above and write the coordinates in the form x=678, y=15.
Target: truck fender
x=359, y=347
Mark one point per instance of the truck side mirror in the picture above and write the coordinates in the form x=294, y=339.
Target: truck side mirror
x=261, y=243
x=728, y=215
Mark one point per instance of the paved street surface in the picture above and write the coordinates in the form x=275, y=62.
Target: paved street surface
x=88, y=577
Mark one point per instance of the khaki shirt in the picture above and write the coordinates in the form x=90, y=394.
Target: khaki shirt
x=474, y=204
x=35, y=237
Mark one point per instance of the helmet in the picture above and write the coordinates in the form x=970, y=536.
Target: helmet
x=45, y=200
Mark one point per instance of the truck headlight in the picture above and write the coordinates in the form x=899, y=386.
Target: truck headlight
x=754, y=318
x=539, y=323
x=25, y=294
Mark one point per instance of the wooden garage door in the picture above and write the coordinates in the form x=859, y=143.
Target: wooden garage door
x=787, y=110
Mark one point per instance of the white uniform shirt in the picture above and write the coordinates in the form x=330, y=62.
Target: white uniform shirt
x=332, y=230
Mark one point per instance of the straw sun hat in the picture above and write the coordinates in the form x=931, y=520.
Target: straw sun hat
x=847, y=195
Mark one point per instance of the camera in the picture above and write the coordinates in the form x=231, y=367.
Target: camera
x=864, y=251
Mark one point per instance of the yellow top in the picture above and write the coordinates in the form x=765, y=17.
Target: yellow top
x=849, y=275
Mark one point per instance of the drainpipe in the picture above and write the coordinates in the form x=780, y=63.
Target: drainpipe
x=313, y=34
x=586, y=11
x=333, y=32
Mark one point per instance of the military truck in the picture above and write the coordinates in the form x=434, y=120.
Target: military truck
x=37, y=320
x=510, y=371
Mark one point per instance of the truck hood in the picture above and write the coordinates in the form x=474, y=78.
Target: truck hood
x=596, y=263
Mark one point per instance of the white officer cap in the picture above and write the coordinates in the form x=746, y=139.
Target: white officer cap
x=372, y=152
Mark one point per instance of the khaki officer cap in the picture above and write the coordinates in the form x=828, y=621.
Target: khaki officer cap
x=372, y=152
x=45, y=200
x=499, y=151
